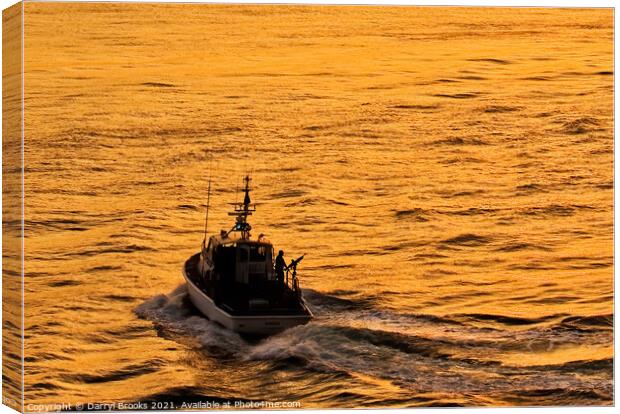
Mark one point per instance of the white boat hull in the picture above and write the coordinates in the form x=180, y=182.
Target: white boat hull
x=252, y=325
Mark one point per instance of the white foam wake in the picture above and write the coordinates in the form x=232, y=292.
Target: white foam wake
x=175, y=316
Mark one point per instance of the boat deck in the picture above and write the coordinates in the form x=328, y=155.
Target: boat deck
x=235, y=297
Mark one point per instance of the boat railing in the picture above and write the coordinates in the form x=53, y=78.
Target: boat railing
x=296, y=288
x=292, y=282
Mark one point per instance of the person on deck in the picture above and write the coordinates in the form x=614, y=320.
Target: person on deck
x=280, y=267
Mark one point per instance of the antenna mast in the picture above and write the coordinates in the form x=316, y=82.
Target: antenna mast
x=208, y=203
x=242, y=211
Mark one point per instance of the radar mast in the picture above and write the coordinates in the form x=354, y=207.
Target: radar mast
x=242, y=211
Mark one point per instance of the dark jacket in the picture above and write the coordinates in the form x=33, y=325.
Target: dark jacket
x=280, y=265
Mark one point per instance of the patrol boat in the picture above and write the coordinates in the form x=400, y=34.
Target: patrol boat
x=232, y=279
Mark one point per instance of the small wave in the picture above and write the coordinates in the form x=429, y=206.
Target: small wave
x=491, y=60
x=288, y=194
x=128, y=249
x=472, y=211
x=335, y=301
x=342, y=292
x=416, y=214
x=47, y=356
x=460, y=141
x=404, y=245
x=434, y=319
x=500, y=109
x=515, y=247
x=468, y=239
x=594, y=322
x=315, y=127
x=574, y=73
x=537, y=78
x=430, y=256
x=580, y=125
x=583, y=366
x=605, y=186
x=598, y=299
x=439, y=272
x=599, y=151
x=506, y=320
x=551, y=210
x=189, y=395
x=119, y=298
x=132, y=248
x=44, y=385
x=554, y=300
x=62, y=224
x=286, y=169
x=482, y=283
x=130, y=331
x=461, y=160
x=531, y=188
x=129, y=371
x=472, y=77
x=330, y=267
x=158, y=84
x=463, y=95
x=462, y=193
x=556, y=396
x=104, y=268
x=311, y=201
x=418, y=107
x=187, y=207
x=62, y=283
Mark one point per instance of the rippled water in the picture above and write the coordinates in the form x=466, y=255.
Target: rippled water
x=448, y=172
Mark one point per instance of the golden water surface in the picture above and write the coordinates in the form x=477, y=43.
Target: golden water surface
x=447, y=171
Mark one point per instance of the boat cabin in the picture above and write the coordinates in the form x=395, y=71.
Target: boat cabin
x=244, y=261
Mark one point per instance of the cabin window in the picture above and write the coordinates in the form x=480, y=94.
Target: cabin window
x=224, y=257
x=258, y=253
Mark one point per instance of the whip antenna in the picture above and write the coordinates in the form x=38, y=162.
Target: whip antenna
x=207, y=213
x=208, y=204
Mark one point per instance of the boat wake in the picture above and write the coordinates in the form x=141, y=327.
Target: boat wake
x=425, y=353
x=175, y=318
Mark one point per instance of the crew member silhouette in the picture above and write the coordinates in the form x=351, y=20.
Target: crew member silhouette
x=280, y=267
